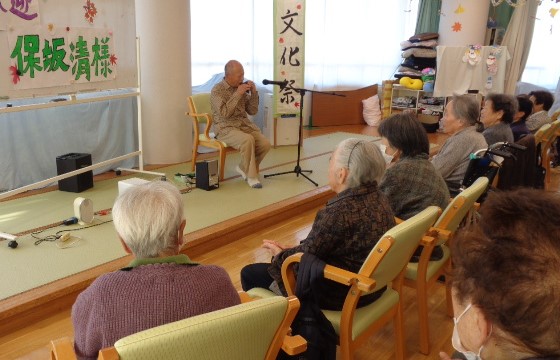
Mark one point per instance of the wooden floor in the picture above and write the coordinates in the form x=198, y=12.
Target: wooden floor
x=30, y=341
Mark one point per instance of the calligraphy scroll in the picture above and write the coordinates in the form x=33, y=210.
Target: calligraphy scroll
x=289, y=50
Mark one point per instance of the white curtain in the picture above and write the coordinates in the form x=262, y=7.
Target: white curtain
x=223, y=30
x=518, y=42
x=542, y=64
x=349, y=44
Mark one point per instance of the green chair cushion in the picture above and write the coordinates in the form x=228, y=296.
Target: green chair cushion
x=363, y=317
x=240, y=332
x=367, y=315
x=202, y=103
x=433, y=266
x=260, y=293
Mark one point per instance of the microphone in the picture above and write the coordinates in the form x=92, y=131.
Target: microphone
x=282, y=84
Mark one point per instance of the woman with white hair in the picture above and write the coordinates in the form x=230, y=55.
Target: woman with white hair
x=345, y=231
x=159, y=286
x=459, y=121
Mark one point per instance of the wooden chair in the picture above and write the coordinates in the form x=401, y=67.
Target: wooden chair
x=547, y=142
x=201, y=113
x=62, y=349
x=424, y=274
x=252, y=330
x=385, y=266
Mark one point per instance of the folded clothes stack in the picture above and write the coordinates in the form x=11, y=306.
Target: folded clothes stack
x=418, y=52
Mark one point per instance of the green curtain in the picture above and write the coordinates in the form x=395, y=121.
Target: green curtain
x=428, y=16
x=501, y=14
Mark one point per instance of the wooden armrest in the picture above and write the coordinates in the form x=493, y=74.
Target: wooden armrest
x=287, y=275
x=291, y=344
x=244, y=297
x=62, y=349
x=334, y=273
x=440, y=233
x=346, y=277
x=427, y=241
x=195, y=114
x=294, y=345
x=109, y=353
x=476, y=206
x=433, y=234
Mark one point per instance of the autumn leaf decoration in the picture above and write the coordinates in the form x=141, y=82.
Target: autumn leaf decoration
x=113, y=59
x=91, y=11
x=457, y=27
x=15, y=74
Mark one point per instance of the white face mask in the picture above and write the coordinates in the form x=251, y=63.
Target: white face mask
x=388, y=158
x=456, y=341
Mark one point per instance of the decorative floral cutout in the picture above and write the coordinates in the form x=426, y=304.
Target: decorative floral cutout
x=15, y=73
x=457, y=27
x=91, y=11
x=460, y=9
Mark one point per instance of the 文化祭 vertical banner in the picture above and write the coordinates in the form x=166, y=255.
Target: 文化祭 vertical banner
x=289, y=50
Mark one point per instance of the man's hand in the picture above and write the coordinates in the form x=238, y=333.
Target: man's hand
x=274, y=246
x=246, y=87
x=253, y=86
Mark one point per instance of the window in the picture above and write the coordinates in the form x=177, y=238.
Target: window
x=542, y=64
x=349, y=44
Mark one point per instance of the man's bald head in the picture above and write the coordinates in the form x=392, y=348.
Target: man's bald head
x=234, y=73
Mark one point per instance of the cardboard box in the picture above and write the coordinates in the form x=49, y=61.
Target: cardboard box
x=128, y=183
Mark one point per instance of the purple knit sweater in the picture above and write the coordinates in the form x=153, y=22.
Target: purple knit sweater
x=122, y=303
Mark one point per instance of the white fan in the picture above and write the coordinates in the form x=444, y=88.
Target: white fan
x=83, y=210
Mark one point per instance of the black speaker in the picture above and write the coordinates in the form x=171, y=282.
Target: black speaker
x=207, y=175
x=70, y=162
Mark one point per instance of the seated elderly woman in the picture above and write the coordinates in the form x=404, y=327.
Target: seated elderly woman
x=524, y=109
x=345, y=231
x=411, y=183
x=159, y=286
x=542, y=102
x=459, y=120
x=497, y=114
x=506, y=279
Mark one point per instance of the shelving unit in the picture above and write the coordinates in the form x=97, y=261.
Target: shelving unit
x=427, y=108
x=415, y=100
x=423, y=104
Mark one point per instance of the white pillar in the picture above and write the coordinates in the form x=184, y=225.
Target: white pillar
x=472, y=17
x=165, y=62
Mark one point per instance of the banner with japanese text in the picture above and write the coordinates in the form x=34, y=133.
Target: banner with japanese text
x=289, y=50
x=43, y=58
x=14, y=13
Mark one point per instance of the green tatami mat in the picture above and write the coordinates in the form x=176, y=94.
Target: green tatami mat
x=36, y=265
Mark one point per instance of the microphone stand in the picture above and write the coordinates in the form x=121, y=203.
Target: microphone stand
x=297, y=169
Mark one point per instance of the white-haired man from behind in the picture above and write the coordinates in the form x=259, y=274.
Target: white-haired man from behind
x=159, y=286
